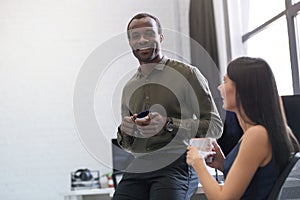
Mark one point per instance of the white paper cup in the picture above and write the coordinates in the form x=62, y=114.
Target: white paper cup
x=204, y=145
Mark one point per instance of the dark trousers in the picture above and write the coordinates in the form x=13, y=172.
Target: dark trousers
x=177, y=181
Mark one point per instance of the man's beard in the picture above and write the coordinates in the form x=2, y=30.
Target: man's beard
x=146, y=58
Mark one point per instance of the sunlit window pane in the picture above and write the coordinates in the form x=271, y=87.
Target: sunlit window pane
x=272, y=45
x=295, y=1
x=297, y=23
x=256, y=12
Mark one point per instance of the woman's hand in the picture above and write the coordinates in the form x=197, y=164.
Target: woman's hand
x=193, y=155
x=217, y=158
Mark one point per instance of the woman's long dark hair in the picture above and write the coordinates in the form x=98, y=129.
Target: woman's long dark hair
x=257, y=95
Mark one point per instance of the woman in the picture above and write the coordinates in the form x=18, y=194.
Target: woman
x=251, y=168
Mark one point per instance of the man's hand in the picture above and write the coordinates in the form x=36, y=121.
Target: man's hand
x=128, y=125
x=151, y=125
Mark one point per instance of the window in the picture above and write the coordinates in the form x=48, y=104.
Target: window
x=256, y=12
x=271, y=30
x=295, y=1
x=275, y=50
x=298, y=37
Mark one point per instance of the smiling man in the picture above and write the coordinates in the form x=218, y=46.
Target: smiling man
x=164, y=104
x=145, y=39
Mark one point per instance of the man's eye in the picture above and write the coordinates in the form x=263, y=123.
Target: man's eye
x=135, y=36
x=149, y=34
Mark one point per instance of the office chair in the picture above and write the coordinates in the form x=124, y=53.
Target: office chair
x=292, y=111
x=277, y=188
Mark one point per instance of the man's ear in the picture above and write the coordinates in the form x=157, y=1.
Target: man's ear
x=161, y=38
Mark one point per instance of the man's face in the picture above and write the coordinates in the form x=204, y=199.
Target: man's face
x=145, y=40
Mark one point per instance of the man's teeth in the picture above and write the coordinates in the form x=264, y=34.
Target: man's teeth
x=145, y=48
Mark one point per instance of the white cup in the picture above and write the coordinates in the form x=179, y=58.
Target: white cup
x=204, y=145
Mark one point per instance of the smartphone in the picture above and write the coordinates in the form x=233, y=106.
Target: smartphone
x=142, y=119
x=143, y=114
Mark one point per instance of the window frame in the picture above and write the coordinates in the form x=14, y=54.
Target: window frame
x=290, y=12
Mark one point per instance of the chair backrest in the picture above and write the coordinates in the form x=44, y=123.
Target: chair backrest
x=292, y=112
x=282, y=177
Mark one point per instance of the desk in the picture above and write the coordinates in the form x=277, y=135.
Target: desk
x=91, y=194
x=107, y=193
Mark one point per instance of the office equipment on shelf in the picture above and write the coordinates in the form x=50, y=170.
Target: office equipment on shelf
x=85, y=179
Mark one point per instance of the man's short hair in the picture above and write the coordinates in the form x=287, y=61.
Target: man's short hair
x=143, y=15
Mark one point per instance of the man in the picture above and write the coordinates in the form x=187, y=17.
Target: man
x=164, y=104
